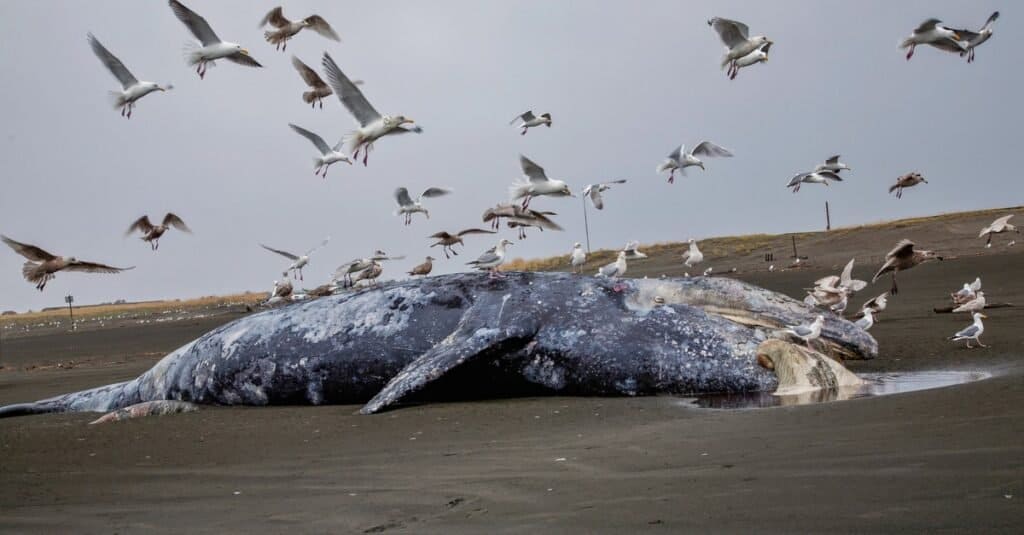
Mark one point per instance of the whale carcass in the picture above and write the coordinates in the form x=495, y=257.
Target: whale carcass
x=467, y=335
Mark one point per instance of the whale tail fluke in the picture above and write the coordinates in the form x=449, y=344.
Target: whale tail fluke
x=100, y=399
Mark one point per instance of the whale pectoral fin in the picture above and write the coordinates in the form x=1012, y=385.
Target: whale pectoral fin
x=459, y=348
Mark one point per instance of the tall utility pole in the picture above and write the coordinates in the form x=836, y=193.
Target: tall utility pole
x=828, y=218
x=69, y=299
x=586, y=224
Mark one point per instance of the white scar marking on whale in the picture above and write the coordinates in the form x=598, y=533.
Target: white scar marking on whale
x=502, y=309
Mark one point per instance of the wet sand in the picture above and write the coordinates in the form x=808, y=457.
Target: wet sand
x=948, y=459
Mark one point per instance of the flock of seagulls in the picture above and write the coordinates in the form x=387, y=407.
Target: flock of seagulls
x=741, y=51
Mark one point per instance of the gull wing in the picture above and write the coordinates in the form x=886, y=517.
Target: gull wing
x=285, y=254
x=976, y=285
x=832, y=160
x=927, y=26
x=731, y=32
x=595, y=197
x=320, y=26
x=318, y=141
x=195, y=23
x=322, y=244
x=243, y=59
x=526, y=116
x=403, y=198
x=93, y=267
x=533, y=171
x=708, y=148
x=275, y=17
x=969, y=332
x=30, y=252
x=174, y=221
x=677, y=154
x=113, y=64
x=434, y=192
x=903, y=249
x=349, y=94
x=475, y=231
x=307, y=73
x=141, y=224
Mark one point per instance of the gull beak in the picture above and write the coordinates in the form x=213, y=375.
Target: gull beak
x=956, y=36
x=982, y=316
x=244, y=51
x=348, y=161
x=407, y=120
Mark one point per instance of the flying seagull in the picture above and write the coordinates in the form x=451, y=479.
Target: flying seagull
x=448, y=240
x=328, y=154
x=876, y=305
x=407, y=206
x=212, y=48
x=901, y=258
x=758, y=56
x=735, y=37
x=813, y=177
x=906, y=181
x=536, y=184
x=346, y=270
x=998, y=226
x=975, y=39
x=318, y=89
x=424, y=268
x=41, y=265
x=931, y=32
x=491, y=259
x=679, y=159
x=519, y=217
x=152, y=233
x=372, y=125
x=971, y=332
x=594, y=191
x=528, y=120
x=298, y=262
x=577, y=258
x=131, y=88
x=287, y=29
x=832, y=164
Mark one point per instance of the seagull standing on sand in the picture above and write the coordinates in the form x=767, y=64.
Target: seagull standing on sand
x=901, y=258
x=424, y=268
x=328, y=155
x=974, y=305
x=577, y=258
x=41, y=265
x=735, y=37
x=594, y=191
x=758, y=56
x=212, y=47
x=833, y=164
x=693, y=256
x=967, y=293
x=867, y=321
x=813, y=177
x=491, y=259
x=407, y=206
x=151, y=233
x=972, y=332
x=537, y=183
x=448, y=240
x=931, y=32
x=372, y=125
x=807, y=331
x=906, y=181
x=632, y=250
x=998, y=226
x=298, y=262
x=287, y=29
x=131, y=88
x=679, y=159
x=528, y=120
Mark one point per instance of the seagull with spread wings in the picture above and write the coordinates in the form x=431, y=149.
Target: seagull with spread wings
x=318, y=88
x=407, y=206
x=758, y=56
x=908, y=180
x=328, y=155
x=735, y=37
x=901, y=258
x=151, y=233
x=519, y=217
x=832, y=164
x=372, y=125
x=346, y=271
x=975, y=39
x=536, y=184
x=286, y=29
x=447, y=240
x=998, y=226
x=528, y=120
x=594, y=191
x=41, y=265
x=679, y=159
x=812, y=177
x=298, y=262
x=932, y=32
x=131, y=88
x=211, y=47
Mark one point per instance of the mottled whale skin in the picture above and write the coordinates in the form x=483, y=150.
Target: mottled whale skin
x=545, y=332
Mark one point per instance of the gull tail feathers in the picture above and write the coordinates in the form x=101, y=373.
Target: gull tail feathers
x=665, y=166
x=116, y=99
x=190, y=51
x=28, y=270
x=906, y=42
x=353, y=141
x=308, y=97
x=518, y=191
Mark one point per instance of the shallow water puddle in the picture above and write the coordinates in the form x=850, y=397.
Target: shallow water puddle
x=876, y=384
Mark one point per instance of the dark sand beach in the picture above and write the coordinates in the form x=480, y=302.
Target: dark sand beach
x=941, y=460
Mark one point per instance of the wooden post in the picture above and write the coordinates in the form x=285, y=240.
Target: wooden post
x=71, y=312
x=586, y=223
x=794, y=247
x=828, y=218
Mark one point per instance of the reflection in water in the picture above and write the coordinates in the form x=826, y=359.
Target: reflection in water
x=875, y=384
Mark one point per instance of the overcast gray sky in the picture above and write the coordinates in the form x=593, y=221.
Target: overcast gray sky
x=625, y=82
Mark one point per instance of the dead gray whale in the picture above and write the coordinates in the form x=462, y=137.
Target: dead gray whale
x=470, y=336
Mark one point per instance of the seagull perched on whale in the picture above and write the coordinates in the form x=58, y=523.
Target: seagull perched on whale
x=131, y=88
x=41, y=265
x=679, y=159
x=286, y=29
x=212, y=47
x=735, y=37
x=492, y=258
x=577, y=258
x=807, y=331
x=932, y=32
x=528, y=120
x=372, y=125
x=152, y=233
x=536, y=184
x=407, y=206
x=298, y=262
x=328, y=155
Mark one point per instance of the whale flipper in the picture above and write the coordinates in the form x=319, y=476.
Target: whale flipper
x=460, y=347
